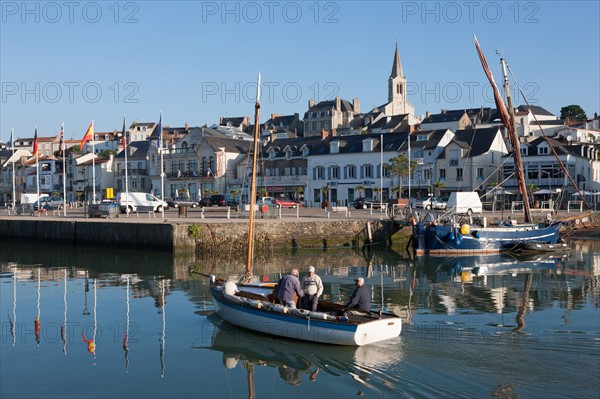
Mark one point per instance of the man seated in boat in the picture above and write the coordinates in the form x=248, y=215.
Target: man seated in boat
x=313, y=289
x=361, y=298
x=287, y=287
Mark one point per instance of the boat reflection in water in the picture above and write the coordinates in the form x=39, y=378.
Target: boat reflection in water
x=298, y=362
x=468, y=268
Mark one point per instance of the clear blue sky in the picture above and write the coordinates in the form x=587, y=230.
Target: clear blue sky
x=198, y=60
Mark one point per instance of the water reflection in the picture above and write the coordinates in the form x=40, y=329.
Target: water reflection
x=125, y=309
x=300, y=362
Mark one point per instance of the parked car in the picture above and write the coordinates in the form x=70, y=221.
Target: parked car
x=204, y=201
x=182, y=201
x=223, y=200
x=431, y=203
x=286, y=203
x=51, y=202
x=266, y=201
x=366, y=203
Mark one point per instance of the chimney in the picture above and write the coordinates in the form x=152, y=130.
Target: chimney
x=444, y=111
x=311, y=103
x=324, y=134
x=221, y=120
x=187, y=127
x=356, y=106
x=338, y=104
x=427, y=114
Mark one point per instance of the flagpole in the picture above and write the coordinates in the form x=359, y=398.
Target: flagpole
x=64, y=154
x=14, y=178
x=125, y=149
x=37, y=170
x=93, y=167
x=162, y=174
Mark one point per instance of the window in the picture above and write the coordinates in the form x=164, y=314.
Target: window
x=317, y=195
x=335, y=172
x=459, y=174
x=442, y=174
x=320, y=172
x=523, y=150
x=422, y=137
x=543, y=150
x=351, y=172
x=369, y=171
x=427, y=174
x=480, y=173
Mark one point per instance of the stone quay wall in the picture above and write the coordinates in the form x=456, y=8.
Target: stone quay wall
x=201, y=237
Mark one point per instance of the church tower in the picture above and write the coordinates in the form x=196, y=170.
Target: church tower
x=397, y=102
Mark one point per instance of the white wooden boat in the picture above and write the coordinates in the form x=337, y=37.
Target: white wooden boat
x=328, y=325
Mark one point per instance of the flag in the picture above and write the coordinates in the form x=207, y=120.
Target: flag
x=61, y=150
x=89, y=135
x=123, y=135
x=10, y=143
x=209, y=172
x=35, y=144
x=159, y=131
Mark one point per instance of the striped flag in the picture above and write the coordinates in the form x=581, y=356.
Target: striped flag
x=61, y=151
x=123, y=135
x=89, y=135
x=35, y=144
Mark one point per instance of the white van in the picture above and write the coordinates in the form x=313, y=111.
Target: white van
x=130, y=202
x=464, y=202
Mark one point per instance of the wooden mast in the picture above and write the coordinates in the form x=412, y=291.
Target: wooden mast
x=252, y=199
x=514, y=140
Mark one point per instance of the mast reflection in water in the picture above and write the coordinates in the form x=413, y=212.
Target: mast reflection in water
x=479, y=326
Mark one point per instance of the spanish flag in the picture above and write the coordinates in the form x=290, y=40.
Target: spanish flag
x=89, y=135
x=35, y=144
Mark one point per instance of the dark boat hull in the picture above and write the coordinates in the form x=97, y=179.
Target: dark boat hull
x=449, y=240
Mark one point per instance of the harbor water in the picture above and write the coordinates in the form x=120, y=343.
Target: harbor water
x=97, y=323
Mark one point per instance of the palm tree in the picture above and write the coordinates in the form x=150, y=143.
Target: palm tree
x=378, y=191
x=397, y=189
x=360, y=190
x=298, y=190
x=325, y=189
x=438, y=186
x=531, y=188
x=400, y=167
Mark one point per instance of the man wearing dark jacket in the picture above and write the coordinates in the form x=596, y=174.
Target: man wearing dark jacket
x=288, y=285
x=361, y=298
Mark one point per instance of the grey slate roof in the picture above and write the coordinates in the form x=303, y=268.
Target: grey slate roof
x=535, y=109
x=137, y=150
x=354, y=143
x=448, y=116
x=478, y=140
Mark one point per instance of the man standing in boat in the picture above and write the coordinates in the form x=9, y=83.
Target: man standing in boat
x=361, y=298
x=288, y=286
x=313, y=289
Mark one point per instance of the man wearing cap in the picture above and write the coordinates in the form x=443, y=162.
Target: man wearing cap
x=288, y=285
x=361, y=298
x=313, y=289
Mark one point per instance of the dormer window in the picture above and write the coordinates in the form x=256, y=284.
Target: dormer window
x=422, y=137
x=288, y=154
x=543, y=150
x=304, y=152
x=368, y=145
x=523, y=150
x=334, y=147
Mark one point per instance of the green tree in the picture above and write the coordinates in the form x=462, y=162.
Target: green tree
x=360, y=190
x=299, y=190
x=400, y=167
x=438, y=186
x=573, y=113
x=531, y=188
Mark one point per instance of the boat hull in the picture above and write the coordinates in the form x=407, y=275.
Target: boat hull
x=448, y=240
x=303, y=328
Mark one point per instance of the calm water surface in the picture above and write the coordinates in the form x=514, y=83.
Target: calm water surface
x=87, y=323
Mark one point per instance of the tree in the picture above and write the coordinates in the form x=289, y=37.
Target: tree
x=531, y=188
x=573, y=113
x=360, y=190
x=400, y=168
x=438, y=186
x=299, y=190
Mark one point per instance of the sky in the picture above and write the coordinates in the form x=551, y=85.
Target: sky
x=78, y=61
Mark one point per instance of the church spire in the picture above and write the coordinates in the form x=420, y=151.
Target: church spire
x=397, y=66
